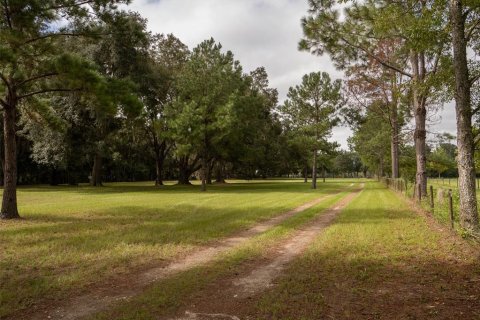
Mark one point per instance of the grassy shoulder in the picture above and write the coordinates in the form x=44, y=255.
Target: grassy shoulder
x=379, y=261
x=72, y=237
x=166, y=297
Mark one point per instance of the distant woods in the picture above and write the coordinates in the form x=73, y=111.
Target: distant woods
x=88, y=94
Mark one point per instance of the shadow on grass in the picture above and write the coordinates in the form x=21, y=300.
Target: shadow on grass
x=413, y=287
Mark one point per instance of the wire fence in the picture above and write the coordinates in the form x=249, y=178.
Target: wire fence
x=442, y=201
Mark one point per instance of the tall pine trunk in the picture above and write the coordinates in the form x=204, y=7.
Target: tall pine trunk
x=465, y=144
x=160, y=151
x=204, y=173
x=314, y=170
x=395, y=143
x=420, y=112
x=210, y=171
x=158, y=170
x=380, y=169
x=96, y=180
x=9, y=201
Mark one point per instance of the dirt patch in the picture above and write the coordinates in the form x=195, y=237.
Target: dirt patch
x=105, y=296
x=230, y=297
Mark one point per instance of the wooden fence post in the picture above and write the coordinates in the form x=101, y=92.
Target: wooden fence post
x=432, y=205
x=419, y=193
x=450, y=201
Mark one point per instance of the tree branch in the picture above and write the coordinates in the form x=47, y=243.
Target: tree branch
x=3, y=103
x=50, y=35
x=50, y=74
x=75, y=4
x=7, y=14
x=47, y=91
x=376, y=58
x=469, y=34
x=474, y=79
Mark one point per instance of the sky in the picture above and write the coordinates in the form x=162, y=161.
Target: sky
x=259, y=33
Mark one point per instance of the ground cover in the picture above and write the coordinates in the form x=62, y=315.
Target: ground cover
x=73, y=237
x=380, y=260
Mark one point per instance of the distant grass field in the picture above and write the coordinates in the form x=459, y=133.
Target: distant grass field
x=71, y=237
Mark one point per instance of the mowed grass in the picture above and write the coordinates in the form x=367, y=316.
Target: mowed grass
x=166, y=297
x=73, y=237
x=379, y=261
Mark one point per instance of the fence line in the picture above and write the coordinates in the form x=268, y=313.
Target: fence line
x=442, y=203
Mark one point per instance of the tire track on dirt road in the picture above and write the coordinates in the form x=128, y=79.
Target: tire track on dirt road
x=229, y=299
x=106, y=296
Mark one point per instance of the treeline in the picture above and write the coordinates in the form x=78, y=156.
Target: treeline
x=404, y=60
x=88, y=94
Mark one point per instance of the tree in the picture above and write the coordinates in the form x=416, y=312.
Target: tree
x=252, y=144
x=464, y=19
x=160, y=90
x=348, y=163
x=419, y=35
x=311, y=108
x=371, y=141
x=35, y=64
x=207, y=90
x=440, y=160
x=381, y=90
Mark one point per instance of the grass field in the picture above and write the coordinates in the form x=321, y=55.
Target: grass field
x=379, y=261
x=166, y=297
x=72, y=237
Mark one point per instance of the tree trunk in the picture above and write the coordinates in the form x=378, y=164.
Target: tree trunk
x=420, y=112
x=96, y=180
x=210, y=171
x=9, y=202
x=204, y=173
x=158, y=171
x=394, y=143
x=465, y=144
x=220, y=172
x=314, y=170
x=324, y=173
x=380, y=169
x=184, y=171
x=54, y=177
x=305, y=174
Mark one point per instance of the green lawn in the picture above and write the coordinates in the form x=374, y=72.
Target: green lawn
x=379, y=261
x=72, y=237
x=166, y=297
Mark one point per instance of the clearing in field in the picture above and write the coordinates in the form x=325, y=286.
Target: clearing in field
x=247, y=250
